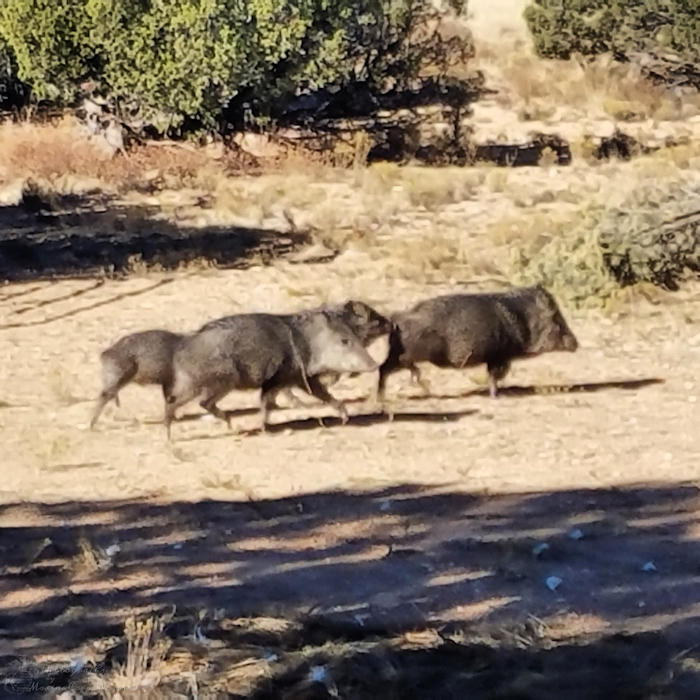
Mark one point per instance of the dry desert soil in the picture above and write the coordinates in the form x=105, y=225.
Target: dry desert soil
x=542, y=545
x=431, y=525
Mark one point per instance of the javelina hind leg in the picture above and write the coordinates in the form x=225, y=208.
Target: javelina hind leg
x=389, y=366
x=170, y=407
x=106, y=396
x=209, y=399
x=496, y=373
x=209, y=405
x=320, y=392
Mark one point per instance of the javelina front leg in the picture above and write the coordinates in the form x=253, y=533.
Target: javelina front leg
x=417, y=378
x=320, y=392
x=496, y=372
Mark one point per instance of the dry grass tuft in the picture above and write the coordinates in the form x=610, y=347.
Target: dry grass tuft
x=90, y=559
x=549, y=90
x=147, y=648
x=61, y=154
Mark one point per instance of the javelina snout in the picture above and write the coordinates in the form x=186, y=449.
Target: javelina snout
x=334, y=346
x=143, y=358
x=551, y=332
x=463, y=330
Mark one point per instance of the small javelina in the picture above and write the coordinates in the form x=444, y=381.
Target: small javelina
x=463, y=330
x=264, y=351
x=144, y=358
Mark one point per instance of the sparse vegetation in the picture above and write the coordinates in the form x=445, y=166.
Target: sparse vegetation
x=378, y=559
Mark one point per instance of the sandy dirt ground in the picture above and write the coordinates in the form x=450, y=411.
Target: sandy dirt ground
x=435, y=520
x=543, y=545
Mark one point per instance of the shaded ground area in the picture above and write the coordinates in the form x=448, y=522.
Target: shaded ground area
x=405, y=591
x=77, y=235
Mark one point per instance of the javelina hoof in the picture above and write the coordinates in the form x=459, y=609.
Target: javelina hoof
x=343, y=413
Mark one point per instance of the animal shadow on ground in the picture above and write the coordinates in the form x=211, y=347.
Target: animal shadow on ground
x=406, y=591
x=584, y=387
x=322, y=422
x=74, y=235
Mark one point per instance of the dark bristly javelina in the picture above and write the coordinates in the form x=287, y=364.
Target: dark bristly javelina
x=145, y=358
x=264, y=351
x=367, y=324
x=463, y=330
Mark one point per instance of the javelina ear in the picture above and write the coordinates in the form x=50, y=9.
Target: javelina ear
x=353, y=307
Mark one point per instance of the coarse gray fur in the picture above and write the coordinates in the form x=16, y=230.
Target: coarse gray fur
x=366, y=322
x=267, y=352
x=463, y=330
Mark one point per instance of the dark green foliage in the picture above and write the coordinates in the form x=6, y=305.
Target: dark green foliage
x=13, y=93
x=622, y=27
x=193, y=61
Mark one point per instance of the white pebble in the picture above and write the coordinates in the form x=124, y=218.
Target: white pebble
x=553, y=582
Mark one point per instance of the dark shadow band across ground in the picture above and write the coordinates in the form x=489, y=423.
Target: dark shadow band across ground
x=79, y=235
x=350, y=576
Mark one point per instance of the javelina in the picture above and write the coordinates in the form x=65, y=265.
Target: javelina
x=144, y=358
x=367, y=324
x=462, y=330
x=264, y=351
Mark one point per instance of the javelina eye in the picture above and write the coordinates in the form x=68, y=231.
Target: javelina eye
x=345, y=341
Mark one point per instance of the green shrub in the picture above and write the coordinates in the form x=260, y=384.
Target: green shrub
x=652, y=237
x=165, y=63
x=49, y=41
x=561, y=28
x=13, y=93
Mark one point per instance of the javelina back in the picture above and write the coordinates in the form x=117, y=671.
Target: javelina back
x=145, y=358
x=264, y=351
x=364, y=321
x=463, y=330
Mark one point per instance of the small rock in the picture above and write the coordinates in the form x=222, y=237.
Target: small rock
x=77, y=664
x=177, y=546
x=576, y=534
x=539, y=548
x=318, y=674
x=553, y=582
x=649, y=567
